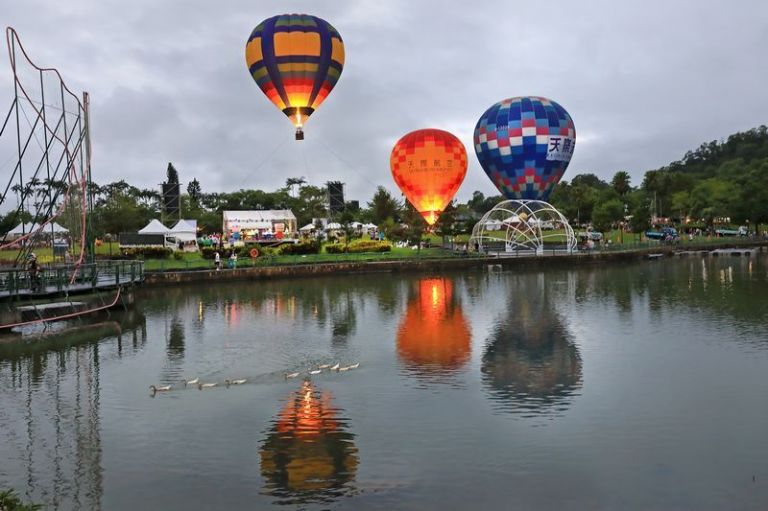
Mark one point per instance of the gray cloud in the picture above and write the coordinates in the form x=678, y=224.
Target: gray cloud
x=644, y=82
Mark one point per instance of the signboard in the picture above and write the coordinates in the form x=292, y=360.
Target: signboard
x=560, y=148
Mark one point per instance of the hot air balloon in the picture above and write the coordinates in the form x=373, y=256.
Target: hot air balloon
x=524, y=144
x=296, y=59
x=429, y=165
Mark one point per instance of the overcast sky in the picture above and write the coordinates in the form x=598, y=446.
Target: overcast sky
x=643, y=80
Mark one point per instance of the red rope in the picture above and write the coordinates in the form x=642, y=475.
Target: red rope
x=70, y=315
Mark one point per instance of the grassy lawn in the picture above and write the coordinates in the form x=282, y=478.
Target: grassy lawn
x=193, y=260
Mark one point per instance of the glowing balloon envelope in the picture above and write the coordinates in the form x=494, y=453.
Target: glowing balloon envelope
x=429, y=166
x=296, y=60
x=524, y=144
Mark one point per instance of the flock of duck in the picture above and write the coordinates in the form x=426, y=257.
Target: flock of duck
x=227, y=383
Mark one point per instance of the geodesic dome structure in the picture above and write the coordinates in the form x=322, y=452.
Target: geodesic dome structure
x=523, y=226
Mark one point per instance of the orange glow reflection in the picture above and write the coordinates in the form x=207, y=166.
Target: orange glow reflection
x=309, y=455
x=434, y=335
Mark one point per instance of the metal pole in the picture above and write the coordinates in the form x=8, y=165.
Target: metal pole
x=89, y=239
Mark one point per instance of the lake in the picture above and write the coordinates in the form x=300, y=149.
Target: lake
x=627, y=386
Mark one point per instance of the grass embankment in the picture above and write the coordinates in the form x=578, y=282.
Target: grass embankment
x=193, y=260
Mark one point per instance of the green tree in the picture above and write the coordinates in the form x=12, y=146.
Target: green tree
x=383, y=206
x=195, y=191
x=621, y=183
x=607, y=213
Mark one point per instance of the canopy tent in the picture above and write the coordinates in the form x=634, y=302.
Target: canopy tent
x=26, y=228
x=58, y=229
x=185, y=230
x=22, y=228
x=308, y=228
x=154, y=227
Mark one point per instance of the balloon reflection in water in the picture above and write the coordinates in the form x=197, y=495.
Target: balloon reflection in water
x=530, y=365
x=434, y=338
x=308, y=455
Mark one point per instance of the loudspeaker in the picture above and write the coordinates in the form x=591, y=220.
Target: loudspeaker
x=171, y=202
x=335, y=196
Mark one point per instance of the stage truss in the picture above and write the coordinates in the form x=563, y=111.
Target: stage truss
x=523, y=227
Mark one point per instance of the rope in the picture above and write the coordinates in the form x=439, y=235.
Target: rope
x=70, y=315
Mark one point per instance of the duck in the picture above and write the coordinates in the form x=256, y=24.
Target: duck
x=345, y=368
x=335, y=367
x=235, y=382
x=201, y=386
x=164, y=388
x=291, y=375
x=354, y=366
x=324, y=366
x=191, y=382
x=316, y=371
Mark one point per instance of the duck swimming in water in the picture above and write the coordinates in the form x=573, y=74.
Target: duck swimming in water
x=191, y=382
x=201, y=386
x=164, y=388
x=291, y=375
x=234, y=382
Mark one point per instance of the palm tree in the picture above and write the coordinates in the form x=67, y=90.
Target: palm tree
x=621, y=183
x=293, y=182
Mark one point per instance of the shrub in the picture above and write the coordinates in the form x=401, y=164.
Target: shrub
x=146, y=253
x=178, y=256
x=300, y=248
x=359, y=247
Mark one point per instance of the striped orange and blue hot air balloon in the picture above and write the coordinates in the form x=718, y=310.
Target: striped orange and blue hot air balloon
x=296, y=60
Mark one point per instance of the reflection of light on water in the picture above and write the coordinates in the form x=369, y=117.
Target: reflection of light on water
x=200, y=311
x=308, y=455
x=704, y=273
x=433, y=338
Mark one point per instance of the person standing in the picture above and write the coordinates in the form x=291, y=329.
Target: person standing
x=217, y=260
x=34, y=272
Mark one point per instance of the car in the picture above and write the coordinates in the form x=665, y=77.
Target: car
x=664, y=234
x=591, y=235
x=741, y=231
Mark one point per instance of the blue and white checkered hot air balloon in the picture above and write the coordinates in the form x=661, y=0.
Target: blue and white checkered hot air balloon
x=524, y=144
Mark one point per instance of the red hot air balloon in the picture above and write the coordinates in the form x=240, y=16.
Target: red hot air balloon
x=429, y=166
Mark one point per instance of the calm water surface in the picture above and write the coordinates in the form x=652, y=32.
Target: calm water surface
x=641, y=386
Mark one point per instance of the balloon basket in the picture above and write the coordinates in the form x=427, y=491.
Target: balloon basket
x=299, y=134
x=523, y=228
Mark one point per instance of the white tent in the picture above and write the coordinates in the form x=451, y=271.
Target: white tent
x=25, y=229
x=154, y=227
x=58, y=229
x=22, y=228
x=185, y=230
x=308, y=228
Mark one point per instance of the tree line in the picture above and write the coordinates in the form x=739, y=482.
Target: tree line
x=721, y=181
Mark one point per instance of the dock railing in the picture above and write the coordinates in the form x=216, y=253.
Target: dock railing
x=65, y=278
